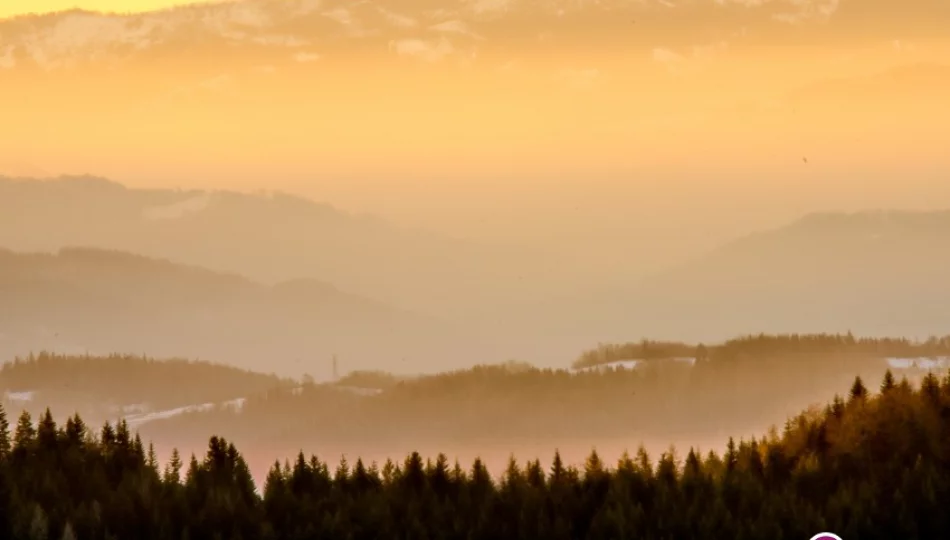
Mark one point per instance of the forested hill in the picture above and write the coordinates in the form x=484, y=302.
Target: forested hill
x=86, y=300
x=654, y=403
x=869, y=467
x=115, y=386
x=769, y=345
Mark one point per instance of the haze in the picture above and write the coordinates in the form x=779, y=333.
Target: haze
x=562, y=125
x=479, y=227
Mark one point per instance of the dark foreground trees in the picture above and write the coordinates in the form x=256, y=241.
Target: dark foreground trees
x=868, y=466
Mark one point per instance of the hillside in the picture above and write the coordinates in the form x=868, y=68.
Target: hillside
x=135, y=388
x=832, y=467
x=468, y=412
x=271, y=237
x=88, y=300
x=875, y=273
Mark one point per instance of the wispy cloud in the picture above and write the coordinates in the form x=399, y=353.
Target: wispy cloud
x=581, y=79
x=281, y=41
x=683, y=63
x=807, y=10
x=397, y=19
x=454, y=27
x=7, y=61
x=430, y=51
x=490, y=6
x=306, y=57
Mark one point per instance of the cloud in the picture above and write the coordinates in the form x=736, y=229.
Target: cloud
x=581, y=79
x=342, y=16
x=306, y=57
x=454, y=27
x=666, y=56
x=902, y=46
x=681, y=64
x=396, y=19
x=7, y=61
x=265, y=70
x=281, y=41
x=348, y=21
x=425, y=50
x=221, y=82
x=247, y=14
x=808, y=10
x=490, y=6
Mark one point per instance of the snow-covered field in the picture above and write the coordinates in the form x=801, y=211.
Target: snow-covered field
x=19, y=397
x=138, y=419
x=628, y=364
x=927, y=363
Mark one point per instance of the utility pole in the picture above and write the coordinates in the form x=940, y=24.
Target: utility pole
x=336, y=375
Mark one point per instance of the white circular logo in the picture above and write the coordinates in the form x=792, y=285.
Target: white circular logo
x=826, y=536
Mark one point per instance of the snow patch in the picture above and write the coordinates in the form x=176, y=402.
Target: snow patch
x=134, y=420
x=632, y=364
x=235, y=404
x=922, y=362
x=19, y=397
x=619, y=364
x=361, y=391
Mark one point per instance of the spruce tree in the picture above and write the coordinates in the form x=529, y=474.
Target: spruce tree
x=5, y=445
x=25, y=432
x=173, y=469
x=888, y=383
x=858, y=391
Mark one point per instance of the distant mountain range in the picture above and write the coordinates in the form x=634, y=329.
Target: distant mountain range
x=273, y=237
x=87, y=300
x=875, y=273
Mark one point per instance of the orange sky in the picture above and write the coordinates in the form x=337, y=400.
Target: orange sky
x=19, y=7
x=652, y=130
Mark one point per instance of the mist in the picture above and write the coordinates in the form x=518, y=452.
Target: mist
x=480, y=231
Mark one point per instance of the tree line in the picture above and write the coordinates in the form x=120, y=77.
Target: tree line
x=863, y=466
x=660, y=401
x=758, y=345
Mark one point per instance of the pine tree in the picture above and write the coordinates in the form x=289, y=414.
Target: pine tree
x=46, y=431
x=25, y=432
x=5, y=445
x=173, y=469
x=888, y=383
x=858, y=391
x=152, y=461
x=557, y=468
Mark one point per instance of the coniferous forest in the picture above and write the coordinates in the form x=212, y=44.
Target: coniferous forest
x=872, y=465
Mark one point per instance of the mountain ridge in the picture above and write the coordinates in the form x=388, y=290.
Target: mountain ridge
x=109, y=301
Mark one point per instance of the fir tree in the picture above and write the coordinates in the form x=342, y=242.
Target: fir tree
x=5, y=444
x=888, y=383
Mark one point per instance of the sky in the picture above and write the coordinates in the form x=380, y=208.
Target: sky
x=521, y=127
x=9, y=8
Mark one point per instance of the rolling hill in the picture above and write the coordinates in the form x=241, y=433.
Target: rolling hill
x=275, y=237
x=875, y=273
x=89, y=300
